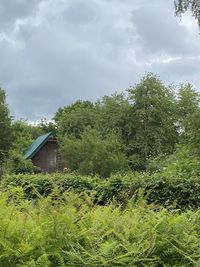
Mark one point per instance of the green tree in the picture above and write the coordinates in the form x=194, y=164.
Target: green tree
x=5, y=127
x=188, y=100
x=193, y=132
x=188, y=104
x=113, y=115
x=93, y=153
x=23, y=135
x=46, y=126
x=152, y=126
x=181, y=6
x=73, y=119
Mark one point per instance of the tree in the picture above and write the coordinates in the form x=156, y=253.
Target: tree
x=188, y=104
x=5, y=127
x=93, y=153
x=152, y=126
x=181, y=6
x=193, y=132
x=46, y=126
x=73, y=119
x=23, y=135
x=112, y=115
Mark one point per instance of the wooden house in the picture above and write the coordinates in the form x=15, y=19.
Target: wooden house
x=44, y=154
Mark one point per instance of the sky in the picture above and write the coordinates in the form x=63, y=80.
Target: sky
x=53, y=53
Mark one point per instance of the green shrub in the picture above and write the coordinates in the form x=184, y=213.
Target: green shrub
x=180, y=193
x=40, y=184
x=94, y=153
x=171, y=192
x=17, y=164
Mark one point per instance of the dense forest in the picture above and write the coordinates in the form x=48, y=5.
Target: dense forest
x=130, y=196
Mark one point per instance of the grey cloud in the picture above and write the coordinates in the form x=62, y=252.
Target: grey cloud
x=10, y=10
x=83, y=49
x=159, y=32
x=80, y=12
x=182, y=70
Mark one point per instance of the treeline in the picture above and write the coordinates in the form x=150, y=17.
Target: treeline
x=149, y=127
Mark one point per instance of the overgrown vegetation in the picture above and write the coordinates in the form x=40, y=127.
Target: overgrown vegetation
x=159, y=189
x=131, y=194
x=72, y=231
x=122, y=132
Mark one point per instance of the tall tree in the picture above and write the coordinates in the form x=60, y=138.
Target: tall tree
x=152, y=127
x=112, y=115
x=188, y=103
x=73, y=119
x=5, y=127
x=194, y=131
x=181, y=6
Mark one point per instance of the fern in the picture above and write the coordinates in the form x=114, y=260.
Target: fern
x=43, y=261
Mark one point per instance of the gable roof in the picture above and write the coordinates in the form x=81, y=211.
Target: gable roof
x=36, y=145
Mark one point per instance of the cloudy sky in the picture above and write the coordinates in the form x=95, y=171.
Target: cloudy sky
x=53, y=52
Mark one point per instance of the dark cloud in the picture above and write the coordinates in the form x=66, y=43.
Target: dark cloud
x=159, y=32
x=54, y=52
x=80, y=12
x=11, y=10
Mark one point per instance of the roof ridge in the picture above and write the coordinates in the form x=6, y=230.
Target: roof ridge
x=39, y=142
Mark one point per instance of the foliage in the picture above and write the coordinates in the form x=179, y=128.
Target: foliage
x=181, y=6
x=94, y=153
x=17, y=164
x=73, y=119
x=194, y=132
x=23, y=135
x=188, y=101
x=40, y=184
x=153, y=124
x=72, y=232
x=165, y=189
x=140, y=131
x=5, y=127
x=113, y=114
x=46, y=126
x=188, y=106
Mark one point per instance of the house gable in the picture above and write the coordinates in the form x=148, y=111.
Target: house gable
x=37, y=145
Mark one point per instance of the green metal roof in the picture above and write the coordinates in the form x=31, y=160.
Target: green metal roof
x=36, y=145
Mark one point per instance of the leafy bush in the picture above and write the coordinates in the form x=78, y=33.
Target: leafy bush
x=94, y=153
x=180, y=193
x=17, y=164
x=40, y=184
x=168, y=191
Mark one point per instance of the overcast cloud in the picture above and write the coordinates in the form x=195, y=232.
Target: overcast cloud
x=55, y=52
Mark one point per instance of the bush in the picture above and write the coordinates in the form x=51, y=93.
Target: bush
x=94, y=153
x=171, y=192
x=43, y=184
x=17, y=164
